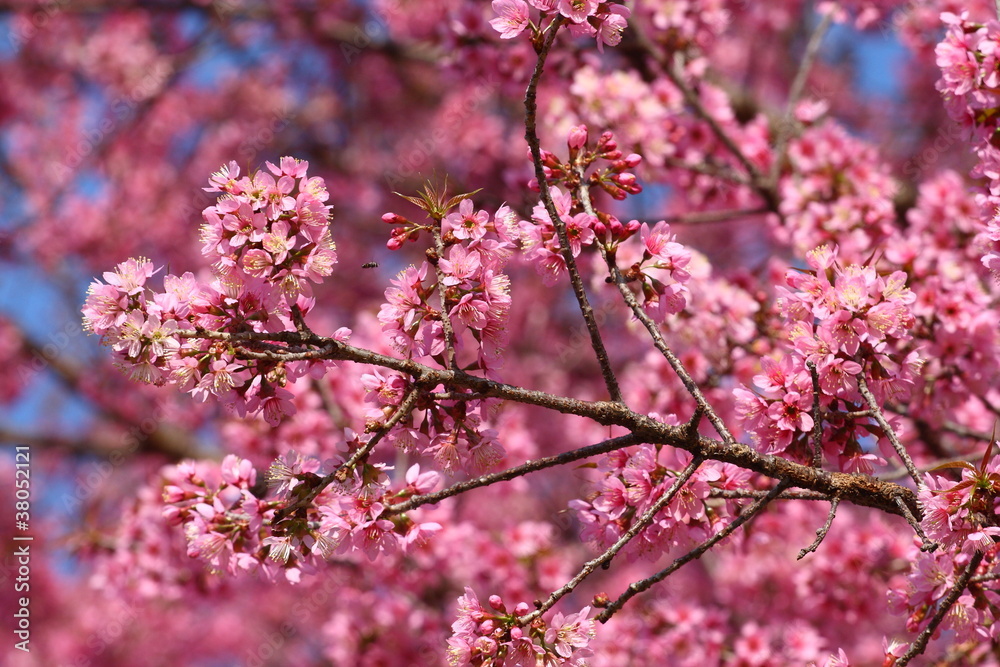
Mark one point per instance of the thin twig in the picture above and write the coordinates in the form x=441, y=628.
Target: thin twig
x=590, y=566
x=821, y=533
x=705, y=217
x=900, y=472
x=859, y=489
x=675, y=72
x=926, y=544
x=798, y=85
x=449, y=329
x=345, y=469
x=887, y=430
x=710, y=169
x=639, y=586
x=403, y=411
x=983, y=578
x=604, y=447
x=531, y=136
x=817, y=430
x=329, y=404
x=703, y=406
x=658, y=341
x=943, y=607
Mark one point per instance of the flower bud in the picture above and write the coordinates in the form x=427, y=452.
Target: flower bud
x=577, y=137
x=394, y=219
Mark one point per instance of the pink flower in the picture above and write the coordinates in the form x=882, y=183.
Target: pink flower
x=612, y=27
x=578, y=10
x=224, y=180
x=460, y=266
x=277, y=241
x=420, y=483
x=467, y=223
x=570, y=633
x=791, y=413
x=106, y=308
x=130, y=275
x=512, y=19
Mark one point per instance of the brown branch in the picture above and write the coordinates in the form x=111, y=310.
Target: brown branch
x=887, y=430
x=639, y=586
x=605, y=558
x=658, y=341
x=821, y=533
x=347, y=467
x=741, y=494
x=511, y=473
x=855, y=488
x=565, y=249
x=817, y=431
x=706, y=217
x=446, y=325
x=943, y=607
x=784, y=128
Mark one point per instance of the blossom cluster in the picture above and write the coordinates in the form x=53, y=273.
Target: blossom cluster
x=268, y=239
x=970, y=74
x=660, y=272
x=963, y=516
x=616, y=178
x=633, y=481
x=232, y=526
x=837, y=190
x=454, y=433
x=605, y=21
x=492, y=636
x=466, y=285
x=850, y=322
x=973, y=617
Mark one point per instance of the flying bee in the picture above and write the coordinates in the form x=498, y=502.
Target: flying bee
x=370, y=265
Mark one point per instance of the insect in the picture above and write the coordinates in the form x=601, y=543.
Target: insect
x=370, y=265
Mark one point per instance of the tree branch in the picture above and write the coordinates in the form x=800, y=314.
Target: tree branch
x=639, y=586
x=605, y=558
x=855, y=488
x=531, y=136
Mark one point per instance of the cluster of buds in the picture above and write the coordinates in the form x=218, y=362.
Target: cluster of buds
x=616, y=178
x=495, y=637
x=403, y=231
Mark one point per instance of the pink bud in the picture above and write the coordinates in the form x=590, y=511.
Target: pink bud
x=577, y=137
